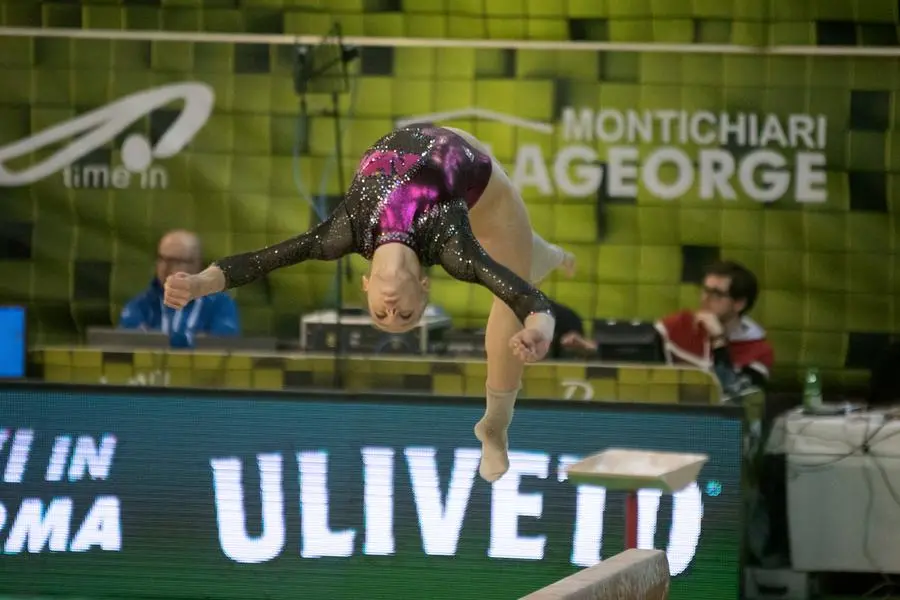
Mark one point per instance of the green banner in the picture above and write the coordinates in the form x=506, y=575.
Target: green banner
x=118, y=492
x=646, y=165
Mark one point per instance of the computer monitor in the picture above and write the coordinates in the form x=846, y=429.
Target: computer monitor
x=628, y=342
x=13, y=342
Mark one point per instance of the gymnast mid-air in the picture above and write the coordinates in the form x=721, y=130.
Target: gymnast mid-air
x=426, y=195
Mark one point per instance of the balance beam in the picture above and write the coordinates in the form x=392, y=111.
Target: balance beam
x=631, y=575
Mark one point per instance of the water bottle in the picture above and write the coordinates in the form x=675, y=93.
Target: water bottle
x=812, y=389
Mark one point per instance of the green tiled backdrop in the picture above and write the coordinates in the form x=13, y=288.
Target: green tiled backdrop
x=829, y=272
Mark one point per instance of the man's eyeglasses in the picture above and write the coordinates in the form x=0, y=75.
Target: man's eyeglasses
x=173, y=260
x=716, y=292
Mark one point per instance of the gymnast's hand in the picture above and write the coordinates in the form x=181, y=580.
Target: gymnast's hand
x=530, y=344
x=179, y=290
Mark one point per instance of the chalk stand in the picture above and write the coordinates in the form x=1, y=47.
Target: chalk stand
x=633, y=574
x=631, y=470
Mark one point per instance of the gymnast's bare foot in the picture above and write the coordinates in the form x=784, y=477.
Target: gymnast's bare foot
x=494, y=450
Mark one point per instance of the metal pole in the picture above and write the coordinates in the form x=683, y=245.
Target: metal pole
x=339, y=151
x=631, y=520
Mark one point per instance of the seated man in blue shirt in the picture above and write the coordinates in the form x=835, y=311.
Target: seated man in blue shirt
x=179, y=251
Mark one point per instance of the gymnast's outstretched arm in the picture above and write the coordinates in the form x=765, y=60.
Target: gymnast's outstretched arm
x=329, y=240
x=466, y=260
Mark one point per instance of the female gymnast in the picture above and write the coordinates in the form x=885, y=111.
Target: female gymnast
x=425, y=195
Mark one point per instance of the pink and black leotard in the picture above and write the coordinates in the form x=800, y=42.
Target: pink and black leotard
x=415, y=187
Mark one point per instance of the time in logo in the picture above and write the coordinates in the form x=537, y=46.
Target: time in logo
x=136, y=168
x=96, y=129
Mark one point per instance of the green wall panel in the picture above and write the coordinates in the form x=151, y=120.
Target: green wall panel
x=829, y=270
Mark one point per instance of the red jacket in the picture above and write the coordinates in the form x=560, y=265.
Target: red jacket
x=687, y=341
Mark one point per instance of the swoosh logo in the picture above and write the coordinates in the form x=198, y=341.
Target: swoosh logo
x=104, y=124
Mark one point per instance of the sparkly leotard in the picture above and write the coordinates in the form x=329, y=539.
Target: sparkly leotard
x=414, y=186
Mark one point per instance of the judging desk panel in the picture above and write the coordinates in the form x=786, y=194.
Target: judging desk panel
x=658, y=384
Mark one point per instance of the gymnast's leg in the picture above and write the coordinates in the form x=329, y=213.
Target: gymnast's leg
x=504, y=379
x=504, y=369
x=507, y=237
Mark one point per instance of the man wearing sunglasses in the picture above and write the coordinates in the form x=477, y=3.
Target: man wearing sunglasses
x=179, y=251
x=720, y=337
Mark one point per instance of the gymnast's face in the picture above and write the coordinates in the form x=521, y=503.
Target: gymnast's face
x=396, y=301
